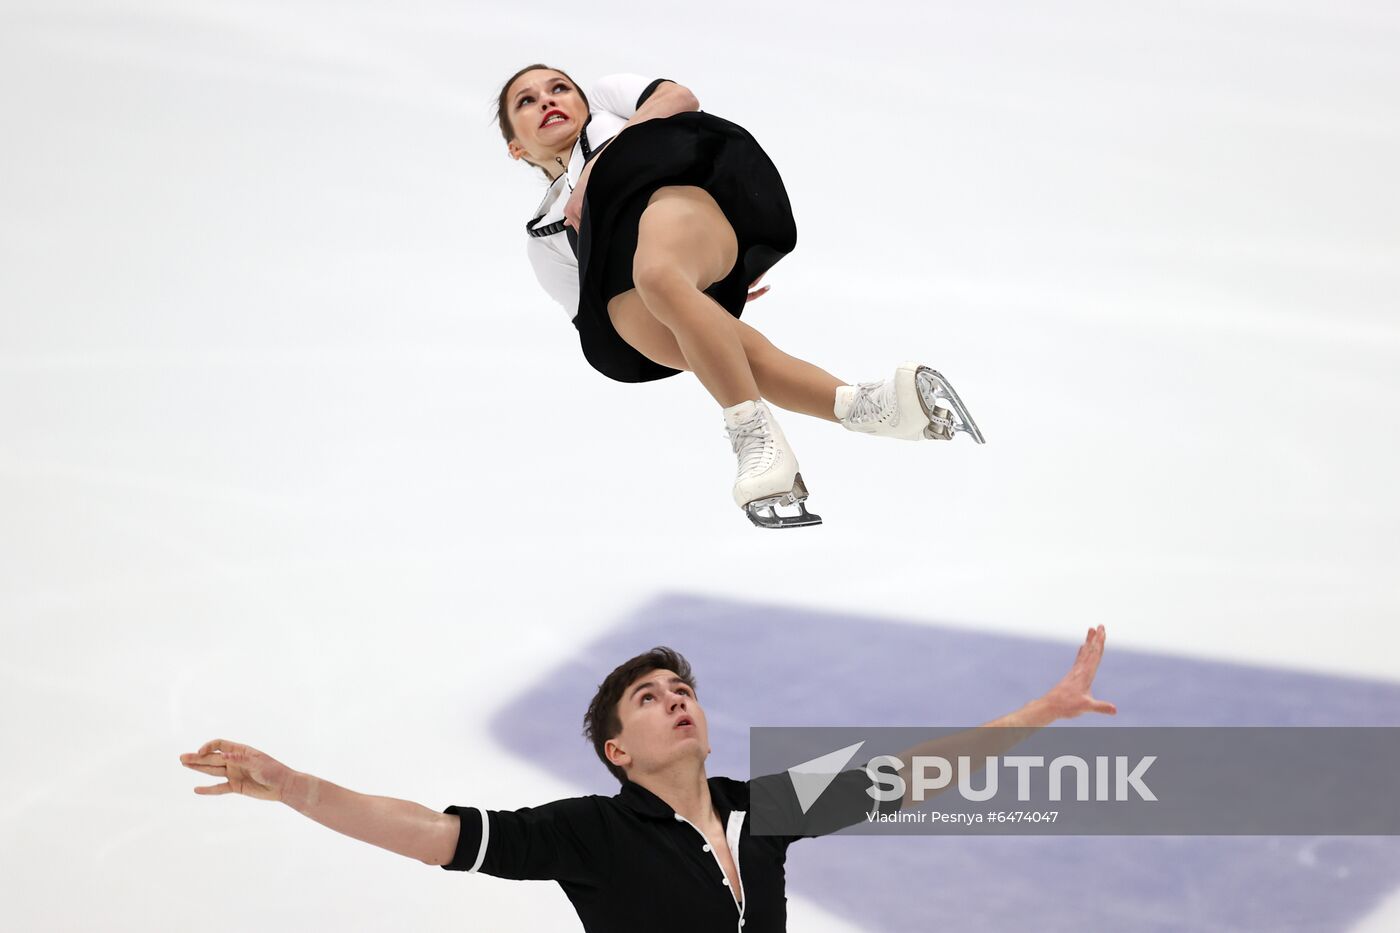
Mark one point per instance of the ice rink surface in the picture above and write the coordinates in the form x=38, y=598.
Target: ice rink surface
x=295, y=452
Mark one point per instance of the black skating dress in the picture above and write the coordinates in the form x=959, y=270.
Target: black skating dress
x=688, y=148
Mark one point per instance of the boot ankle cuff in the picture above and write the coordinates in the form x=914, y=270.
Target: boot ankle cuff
x=841, y=407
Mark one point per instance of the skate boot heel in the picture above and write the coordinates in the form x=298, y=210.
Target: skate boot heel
x=943, y=422
x=764, y=512
x=940, y=425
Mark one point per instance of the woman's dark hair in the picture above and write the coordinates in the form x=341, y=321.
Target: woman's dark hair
x=503, y=111
x=602, y=721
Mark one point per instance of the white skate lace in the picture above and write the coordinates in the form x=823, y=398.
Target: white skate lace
x=874, y=401
x=753, y=442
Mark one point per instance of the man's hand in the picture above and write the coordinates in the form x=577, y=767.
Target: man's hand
x=1071, y=695
x=245, y=770
x=397, y=825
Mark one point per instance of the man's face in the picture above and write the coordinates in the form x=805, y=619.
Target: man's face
x=662, y=725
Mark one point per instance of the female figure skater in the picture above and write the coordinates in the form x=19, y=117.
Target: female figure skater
x=648, y=237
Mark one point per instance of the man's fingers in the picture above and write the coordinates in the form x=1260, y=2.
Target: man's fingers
x=1103, y=706
x=216, y=770
x=1084, y=647
x=212, y=745
x=1093, y=642
x=204, y=761
x=214, y=790
x=1097, y=649
x=1084, y=656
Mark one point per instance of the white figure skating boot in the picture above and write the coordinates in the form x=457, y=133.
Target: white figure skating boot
x=768, y=474
x=907, y=406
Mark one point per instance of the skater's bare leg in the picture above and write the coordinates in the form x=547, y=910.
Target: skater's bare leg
x=684, y=245
x=784, y=380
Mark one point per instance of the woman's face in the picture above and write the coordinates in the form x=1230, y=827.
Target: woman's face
x=546, y=112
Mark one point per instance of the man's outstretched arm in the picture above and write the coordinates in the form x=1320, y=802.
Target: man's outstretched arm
x=400, y=826
x=1067, y=699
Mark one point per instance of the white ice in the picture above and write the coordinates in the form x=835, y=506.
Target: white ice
x=293, y=451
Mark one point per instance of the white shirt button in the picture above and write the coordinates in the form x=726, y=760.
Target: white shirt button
x=705, y=847
x=726, y=882
x=741, y=921
x=679, y=817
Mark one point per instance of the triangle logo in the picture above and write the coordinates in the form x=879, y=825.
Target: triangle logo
x=811, y=778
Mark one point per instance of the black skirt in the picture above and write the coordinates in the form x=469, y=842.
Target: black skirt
x=689, y=148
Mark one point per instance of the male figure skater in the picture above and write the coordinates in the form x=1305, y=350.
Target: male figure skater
x=673, y=848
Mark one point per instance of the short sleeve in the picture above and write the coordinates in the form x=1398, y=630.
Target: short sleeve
x=844, y=802
x=565, y=840
x=622, y=93
x=471, y=841
x=556, y=275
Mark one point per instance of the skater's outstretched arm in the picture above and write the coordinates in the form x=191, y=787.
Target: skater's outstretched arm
x=1067, y=699
x=397, y=825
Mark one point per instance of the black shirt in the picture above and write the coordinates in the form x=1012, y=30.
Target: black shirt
x=625, y=861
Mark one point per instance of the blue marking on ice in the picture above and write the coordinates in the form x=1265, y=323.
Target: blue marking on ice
x=769, y=665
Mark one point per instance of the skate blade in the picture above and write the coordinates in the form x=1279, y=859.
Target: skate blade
x=933, y=388
x=764, y=512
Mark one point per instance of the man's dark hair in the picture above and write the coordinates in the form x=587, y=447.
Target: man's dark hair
x=602, y=721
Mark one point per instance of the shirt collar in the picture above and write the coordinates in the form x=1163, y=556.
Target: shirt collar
x=582, y=141
x=582, y=153
x=725, y=793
